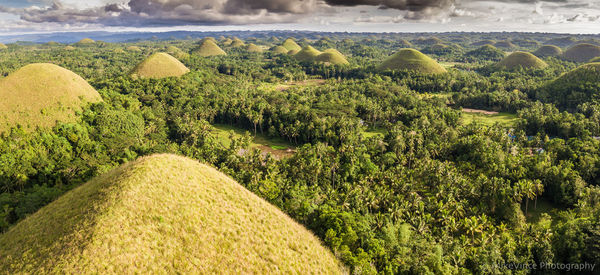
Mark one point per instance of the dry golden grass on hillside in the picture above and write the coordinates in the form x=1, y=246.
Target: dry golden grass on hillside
x=38, y=95
x=162, y=214
x=160, y=65
x=412, y=60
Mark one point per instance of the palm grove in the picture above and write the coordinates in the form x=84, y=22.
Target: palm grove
x=428, y=193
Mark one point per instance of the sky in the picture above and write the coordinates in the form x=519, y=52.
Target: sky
x=559, y=16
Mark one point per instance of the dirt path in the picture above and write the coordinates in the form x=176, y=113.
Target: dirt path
x=467, y=110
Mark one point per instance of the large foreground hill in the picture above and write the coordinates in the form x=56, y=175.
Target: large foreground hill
x=162, y=214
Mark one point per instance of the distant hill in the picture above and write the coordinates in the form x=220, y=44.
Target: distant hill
x=38, y=95
x=487, y=53
x=484, y=42
x=307, y=53
x=85, y=41
x=547, y=51
x=573, y=88
x=561, y=41
x=159, y=65
x=134, y=49
x=582, y=52
x=505, y=45
x=279, y=50
x=208, y=48
x=428, y=41
x=237, y=43
x=412, y=60
x=3, y=47
x=291, y=45
x=162, y=214
x=332, y=57
x=523, y=60
x=253, y=48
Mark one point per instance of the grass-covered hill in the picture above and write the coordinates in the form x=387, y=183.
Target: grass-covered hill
x=253, y=48
x=159, y=65
x=582, y=52
x=208, y=48
x=38, y=95
x=307, y=54
x=505, y=45
x=547, y=51
x=162, y=214
x=291, y=45
x=279, y=50
x=85, y=41
x=573, y=88
x=486, y=53
x=523, y=60
x=483, y=43
x=3, y=47
x=237, y=43
x=134, y=49
x=332, y=57
x=412, y=60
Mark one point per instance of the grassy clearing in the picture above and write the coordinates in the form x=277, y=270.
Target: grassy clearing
x=534, y=212
x=162, y=214
x=504, y=119
x=289, y=85
x=374, y=132
x=276, y=146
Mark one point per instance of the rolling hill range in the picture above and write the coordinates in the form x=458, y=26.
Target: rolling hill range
x=162, y=214
x=38, y=95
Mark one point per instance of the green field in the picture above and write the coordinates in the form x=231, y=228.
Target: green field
x=276, y=146
x=374, y=132
x=504, y=119
x=535, y=210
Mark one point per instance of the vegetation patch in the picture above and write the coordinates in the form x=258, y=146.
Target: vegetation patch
x=162, y=214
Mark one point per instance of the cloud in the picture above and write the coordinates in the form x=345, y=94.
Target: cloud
x=207, y=12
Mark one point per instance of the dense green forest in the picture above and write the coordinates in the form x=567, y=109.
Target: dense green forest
x=385, y=170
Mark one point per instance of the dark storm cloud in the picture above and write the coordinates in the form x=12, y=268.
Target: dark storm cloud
x=411, y=5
